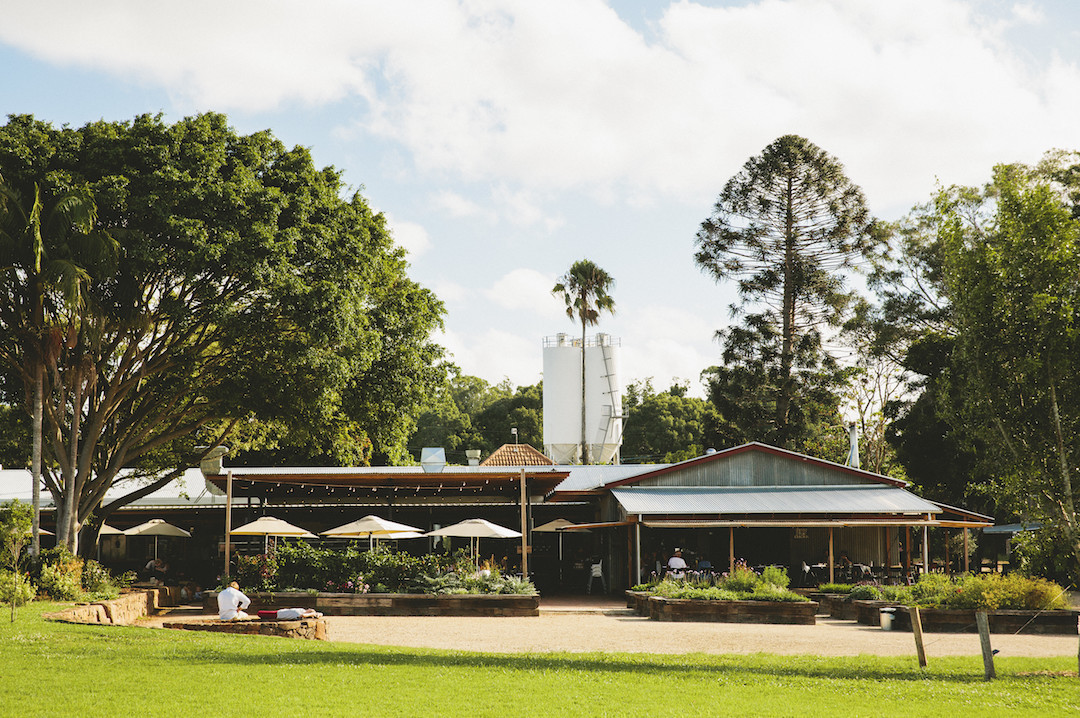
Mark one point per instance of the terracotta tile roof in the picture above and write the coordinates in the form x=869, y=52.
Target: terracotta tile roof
x=516, y=455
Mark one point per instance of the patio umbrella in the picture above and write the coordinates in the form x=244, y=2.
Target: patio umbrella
x=372, y=526
x=155, y=528
x=267, y=526
x=559, y=526
x=107, y=530
x=475, y=529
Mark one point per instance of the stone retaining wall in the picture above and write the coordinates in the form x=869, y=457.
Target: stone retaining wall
x=122, y=611
x=939, y=620
x=394, y=604
x=307, y=628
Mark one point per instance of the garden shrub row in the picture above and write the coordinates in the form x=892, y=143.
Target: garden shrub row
x=302, y=567
x=742, y=584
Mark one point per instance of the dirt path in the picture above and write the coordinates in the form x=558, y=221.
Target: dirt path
x=614, y=633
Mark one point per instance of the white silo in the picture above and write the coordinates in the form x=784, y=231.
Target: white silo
x=562, y=399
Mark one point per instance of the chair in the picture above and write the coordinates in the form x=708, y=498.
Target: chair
x=596, y=571
x=809, y=577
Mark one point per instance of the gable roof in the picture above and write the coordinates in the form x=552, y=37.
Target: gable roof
x=798, y=469
x=516, y=455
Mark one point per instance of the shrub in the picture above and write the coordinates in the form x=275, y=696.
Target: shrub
x=836, y=587
x=776, y=576
x=62, y=581
x=741, y=580
x=865, y=592
x=257, y=573
x=989, y=592
x=8, y=591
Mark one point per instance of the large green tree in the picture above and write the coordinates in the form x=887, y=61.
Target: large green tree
x=785, y=229
x=49, y=246
x=250, y=287
x=585, y=290
x=1012, y=275
x=662, y=427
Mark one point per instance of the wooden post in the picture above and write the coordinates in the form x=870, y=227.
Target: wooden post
x=228, y=519
x=907, y=552
x=637, y=553
x=983, y=624
x=524, y=530
x=731, y=549
x=948, y=563
x=832, y=578
x=916, y=628
x=967, y=551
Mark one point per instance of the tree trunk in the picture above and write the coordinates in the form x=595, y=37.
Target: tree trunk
x=1069, y=508
x=585, y=453
x=71, y=508
x=35, y=460
x=787, y=350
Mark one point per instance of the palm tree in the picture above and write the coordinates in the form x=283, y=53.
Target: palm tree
x=45, y=245
x=584, y=289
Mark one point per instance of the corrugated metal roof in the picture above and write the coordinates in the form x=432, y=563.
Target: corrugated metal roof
x=775, y=500
x=587, y=478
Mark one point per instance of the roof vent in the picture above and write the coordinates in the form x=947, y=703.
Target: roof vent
x=473, y=455
x=433, y=459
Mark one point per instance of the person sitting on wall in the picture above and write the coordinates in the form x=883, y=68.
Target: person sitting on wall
x=231, y=603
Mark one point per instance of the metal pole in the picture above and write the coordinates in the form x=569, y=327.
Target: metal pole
x=228, y=519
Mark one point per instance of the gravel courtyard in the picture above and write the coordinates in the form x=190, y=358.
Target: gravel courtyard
x=587, y=632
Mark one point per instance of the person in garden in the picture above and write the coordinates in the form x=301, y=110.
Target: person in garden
x=231, y=603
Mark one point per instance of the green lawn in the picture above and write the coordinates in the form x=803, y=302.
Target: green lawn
x=50, y=669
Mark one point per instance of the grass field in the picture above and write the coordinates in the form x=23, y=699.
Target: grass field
x=52, y=669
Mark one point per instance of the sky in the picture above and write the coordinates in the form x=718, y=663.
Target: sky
x=507, y=139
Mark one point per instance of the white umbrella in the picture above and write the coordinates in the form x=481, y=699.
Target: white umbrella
x=372, y=526
x=271, y=526
x=475, y=529
x=155, y=528
x=107, y=530
x=267, y=526
x=559, y=526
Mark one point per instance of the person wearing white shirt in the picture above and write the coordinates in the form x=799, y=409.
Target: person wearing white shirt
x=676, y=562
x=231, y=603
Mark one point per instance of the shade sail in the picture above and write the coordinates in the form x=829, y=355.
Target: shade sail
x=371, y=526
x=476, y=528
x=271, y=526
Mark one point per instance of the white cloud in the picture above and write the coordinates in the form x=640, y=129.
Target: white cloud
x=458, y=206
x=529, y=290
x=1028, y=13
x=410, y=235
x=564, y=96
x=495, y=354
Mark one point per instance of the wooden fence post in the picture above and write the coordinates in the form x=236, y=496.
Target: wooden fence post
x=916, y=628
x=983, y=623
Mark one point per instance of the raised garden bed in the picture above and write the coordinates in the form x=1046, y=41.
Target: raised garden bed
x=638, y=601
x=395, y=604
x=868, y=613
x=687, y=609
x=938, y=620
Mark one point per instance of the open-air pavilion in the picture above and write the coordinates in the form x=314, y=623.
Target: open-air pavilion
x=754, y=503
